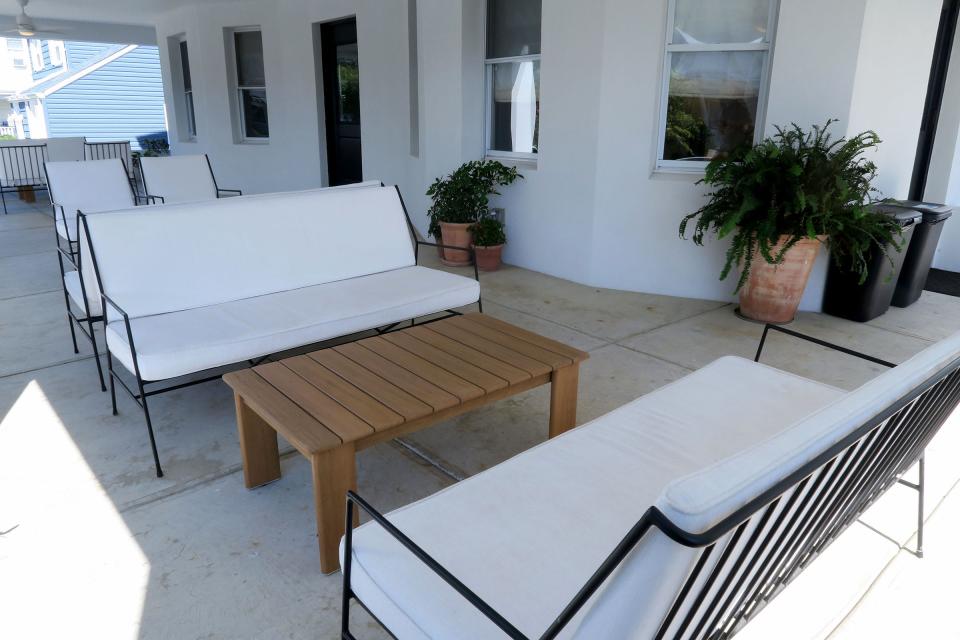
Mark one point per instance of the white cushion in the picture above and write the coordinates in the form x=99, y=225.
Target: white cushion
x=185, y=178
x=237, y=248
x=528, y=533
x=91, y=186
x=703, y=498
x=174, y=344
x=71, y=280
x=64, y=149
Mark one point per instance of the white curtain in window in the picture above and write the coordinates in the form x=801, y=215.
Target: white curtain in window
x=523, y=117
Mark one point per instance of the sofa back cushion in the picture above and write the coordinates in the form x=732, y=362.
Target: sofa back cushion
x=702, y=499
x=185, y=178
x=64, y=149
x=90, y=186
x=173, y=257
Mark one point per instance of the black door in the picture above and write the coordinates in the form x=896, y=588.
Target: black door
x=341, y=90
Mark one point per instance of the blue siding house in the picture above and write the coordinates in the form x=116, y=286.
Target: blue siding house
x=99, y=91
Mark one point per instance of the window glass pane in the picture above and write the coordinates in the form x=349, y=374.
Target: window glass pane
x=191, y=116
x=249, y=46
x=348, y=81
x=254, y=105
x=185, y=65
x=710, y=21
x=513, y=28
x=515, y=119
x=712, y=104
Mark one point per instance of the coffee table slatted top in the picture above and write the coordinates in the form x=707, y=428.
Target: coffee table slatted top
x=352, y=392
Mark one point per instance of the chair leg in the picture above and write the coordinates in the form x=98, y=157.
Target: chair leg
x=73, y=332
x=113, y=388
x=920, y=483
x=153, y=440
x=96, y=354
x=3, y=196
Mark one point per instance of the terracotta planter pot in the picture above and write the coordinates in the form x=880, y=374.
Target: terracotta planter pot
x=488, y=258
x=772, y=292
x=456, y=235
x=439, y=240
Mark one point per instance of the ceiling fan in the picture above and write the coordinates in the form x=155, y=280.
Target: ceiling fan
x=25, y=25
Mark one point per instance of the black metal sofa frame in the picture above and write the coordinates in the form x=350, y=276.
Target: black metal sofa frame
x=140, y=394
x=758, y=549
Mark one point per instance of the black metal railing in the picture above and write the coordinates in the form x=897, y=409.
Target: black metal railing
x=23, y=169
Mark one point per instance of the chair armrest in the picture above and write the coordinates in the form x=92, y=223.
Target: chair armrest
x=823, y=343
x=473, y=254
x=235, y=192
x=354, y=500
x=150, y=199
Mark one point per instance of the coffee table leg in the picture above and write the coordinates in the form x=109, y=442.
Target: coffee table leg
x=258, y=447
x=563, y=399
x=334, y=473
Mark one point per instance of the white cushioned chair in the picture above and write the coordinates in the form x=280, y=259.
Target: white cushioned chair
x=674, y=516
x=91, y=186
x=257, y=275
x=182, y=178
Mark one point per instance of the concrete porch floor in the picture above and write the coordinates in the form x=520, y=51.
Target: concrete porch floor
x=92, y=544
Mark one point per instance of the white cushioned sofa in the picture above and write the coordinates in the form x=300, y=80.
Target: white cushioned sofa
x=246, y=277
x=675, y=516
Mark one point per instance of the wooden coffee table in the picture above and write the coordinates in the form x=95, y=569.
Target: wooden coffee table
x=331, y=403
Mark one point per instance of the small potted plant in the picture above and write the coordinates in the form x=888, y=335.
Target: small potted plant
x=778, y=201
x=460, y=200
x=488, y=241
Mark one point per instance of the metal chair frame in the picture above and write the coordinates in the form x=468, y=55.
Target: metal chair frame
x=141, y=393
x=749, y=557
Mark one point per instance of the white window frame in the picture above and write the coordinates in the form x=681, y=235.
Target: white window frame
x=488, y=64
x=57, y=51
x=189, y=106
x=696, y=166
x=238, y=89
x=36, y=55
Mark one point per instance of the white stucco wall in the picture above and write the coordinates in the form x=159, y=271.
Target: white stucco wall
x=591, y=209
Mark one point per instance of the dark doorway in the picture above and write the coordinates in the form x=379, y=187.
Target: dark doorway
x=341, y=91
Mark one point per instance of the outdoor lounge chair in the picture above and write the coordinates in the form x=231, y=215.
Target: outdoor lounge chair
x=254, y=276
x=678, y=515
x=187, y=178
x=90, y=186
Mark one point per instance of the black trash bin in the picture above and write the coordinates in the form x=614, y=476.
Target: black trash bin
x=916, y=264
x=845, y=297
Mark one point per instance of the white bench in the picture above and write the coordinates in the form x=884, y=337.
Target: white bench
x=675, y=516
x=195, y=286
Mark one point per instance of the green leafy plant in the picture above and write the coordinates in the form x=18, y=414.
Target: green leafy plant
x=687, y=135
x=799, y=184
x=488, y=232
x=464, y=195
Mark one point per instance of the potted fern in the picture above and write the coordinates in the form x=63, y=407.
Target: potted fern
x=779, y=201
x=460, y=200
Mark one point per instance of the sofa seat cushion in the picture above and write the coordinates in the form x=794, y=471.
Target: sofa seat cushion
x=71, y=280
x=526, y=534
x=183, y=342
